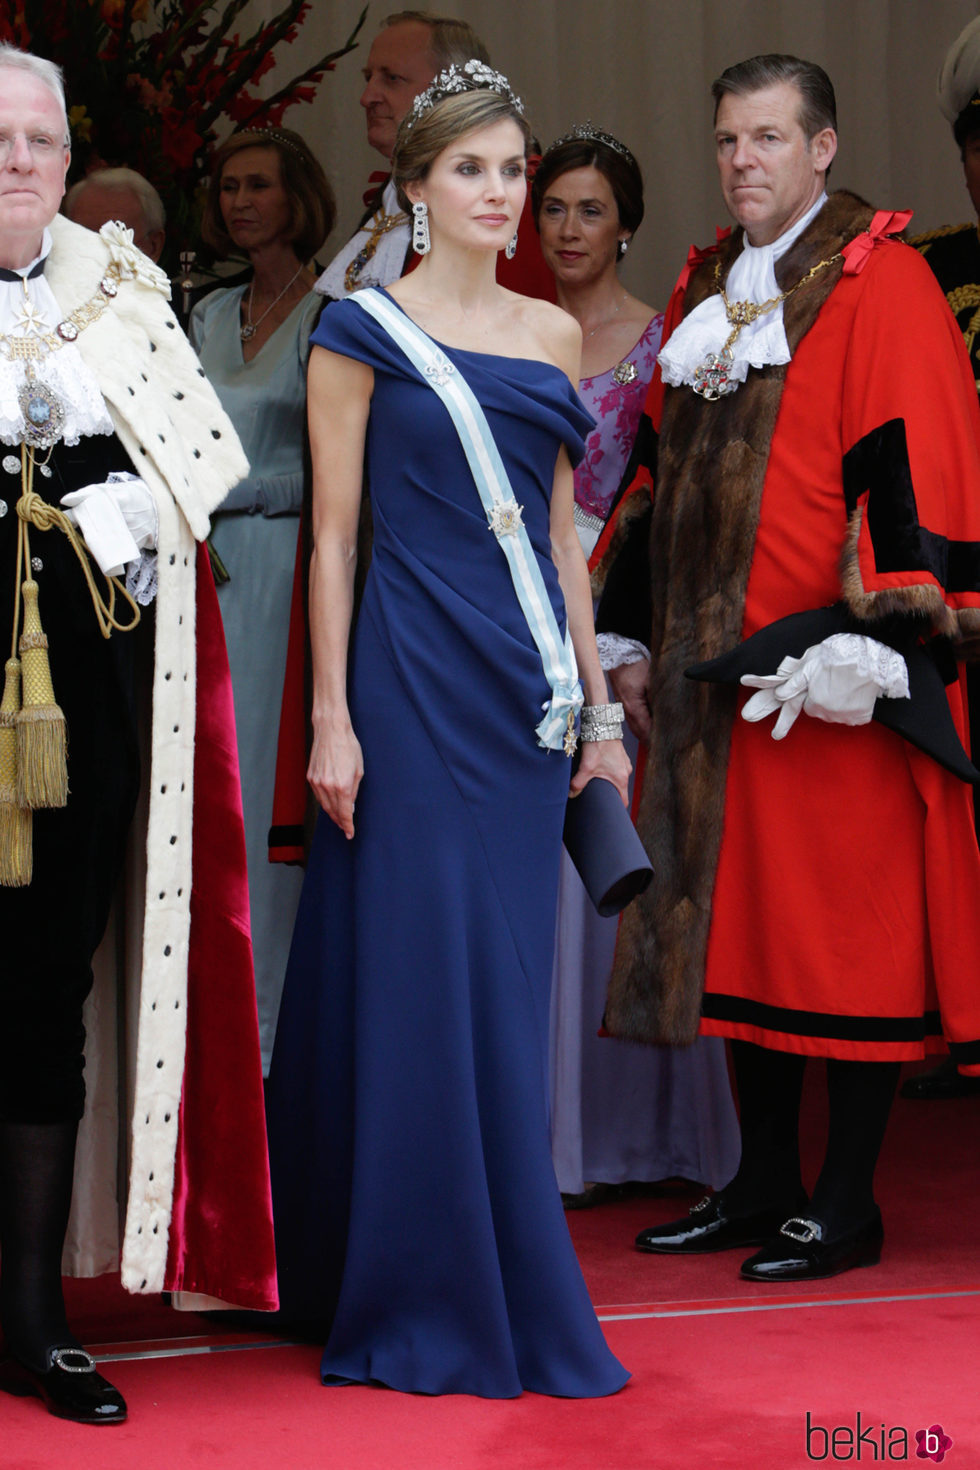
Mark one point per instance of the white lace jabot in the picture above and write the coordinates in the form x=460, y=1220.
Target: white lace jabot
x=64, y=371
x=752, y=278
x=387, y=263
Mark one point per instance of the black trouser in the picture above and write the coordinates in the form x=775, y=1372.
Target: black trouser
x=50, y=930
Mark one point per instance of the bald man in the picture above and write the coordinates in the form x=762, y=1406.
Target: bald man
x=124, y=195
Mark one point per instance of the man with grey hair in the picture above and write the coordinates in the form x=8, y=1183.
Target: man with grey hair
x=116, y=452
x=409, y=50
x=121, y=194
x=818, y=496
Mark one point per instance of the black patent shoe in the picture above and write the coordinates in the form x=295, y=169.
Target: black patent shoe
x=939, y=1084
x=709, y=1228
x=71, y=1387
x=801, y=1251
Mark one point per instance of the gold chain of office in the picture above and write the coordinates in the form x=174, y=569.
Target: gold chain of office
x=713, y=378
x=743, y=313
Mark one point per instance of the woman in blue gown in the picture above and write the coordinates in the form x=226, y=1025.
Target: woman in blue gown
x=417, y=1212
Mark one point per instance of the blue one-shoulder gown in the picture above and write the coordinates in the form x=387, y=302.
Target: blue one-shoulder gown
x=416, y=1204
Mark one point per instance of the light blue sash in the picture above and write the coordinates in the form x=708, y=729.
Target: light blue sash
x=503, y=514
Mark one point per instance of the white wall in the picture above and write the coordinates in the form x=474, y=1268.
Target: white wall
x=642, y=69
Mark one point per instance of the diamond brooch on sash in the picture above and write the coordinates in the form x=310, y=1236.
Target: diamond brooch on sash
x=505, y=518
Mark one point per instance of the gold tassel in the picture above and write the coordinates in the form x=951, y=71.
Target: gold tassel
x=42, y=757
x=16, y=865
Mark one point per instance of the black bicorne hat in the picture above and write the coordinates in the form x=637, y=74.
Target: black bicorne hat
x=924, y=719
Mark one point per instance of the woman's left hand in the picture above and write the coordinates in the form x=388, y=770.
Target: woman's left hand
x=605, y=758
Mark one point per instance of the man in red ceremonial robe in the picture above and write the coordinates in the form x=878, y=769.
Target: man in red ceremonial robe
x=818, y=494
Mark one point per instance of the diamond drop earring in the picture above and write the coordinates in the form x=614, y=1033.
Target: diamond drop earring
x=510, y=249
x=421, y=242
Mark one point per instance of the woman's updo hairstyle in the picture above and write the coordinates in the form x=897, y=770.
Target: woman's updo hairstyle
x=459, y=101
x=589, y=147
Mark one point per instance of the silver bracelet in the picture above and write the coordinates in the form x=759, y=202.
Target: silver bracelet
x=601, y=722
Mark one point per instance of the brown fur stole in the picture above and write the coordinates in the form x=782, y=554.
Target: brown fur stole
x=712, y=466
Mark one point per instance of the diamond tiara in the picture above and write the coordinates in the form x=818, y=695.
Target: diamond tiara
x=270, y=135
x=472, y=76
x=587, y=133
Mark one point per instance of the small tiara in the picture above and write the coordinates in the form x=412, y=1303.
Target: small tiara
x=271, y=136
x=587, y=133
x=472, y=76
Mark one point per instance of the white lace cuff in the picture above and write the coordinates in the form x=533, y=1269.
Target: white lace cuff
x=870, y=660
x=141, y=578
x=615, y=651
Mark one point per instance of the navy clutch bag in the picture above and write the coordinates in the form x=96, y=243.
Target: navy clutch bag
x=604, y=845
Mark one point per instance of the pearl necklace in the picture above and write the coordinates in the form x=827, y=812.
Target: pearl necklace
x=249, y=329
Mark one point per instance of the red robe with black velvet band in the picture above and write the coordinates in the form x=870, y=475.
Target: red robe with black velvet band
x=847, y=897
x=844, y=916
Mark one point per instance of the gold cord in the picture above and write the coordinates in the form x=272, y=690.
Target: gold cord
x=21, y=528
x=33, y=509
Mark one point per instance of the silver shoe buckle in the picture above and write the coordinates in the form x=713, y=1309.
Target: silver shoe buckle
x=59, y=1357
x=807, y=1232
x=702, y=1205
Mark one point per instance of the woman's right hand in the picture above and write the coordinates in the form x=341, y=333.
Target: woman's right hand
x=335, y=771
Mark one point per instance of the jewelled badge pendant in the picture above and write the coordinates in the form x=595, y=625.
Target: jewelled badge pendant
x=713, y=380
x=44, y=414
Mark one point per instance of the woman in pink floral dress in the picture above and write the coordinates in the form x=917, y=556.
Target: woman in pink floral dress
x=620, y=1113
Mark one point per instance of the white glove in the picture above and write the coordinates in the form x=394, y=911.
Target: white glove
x=116, y=518
x=837, y=680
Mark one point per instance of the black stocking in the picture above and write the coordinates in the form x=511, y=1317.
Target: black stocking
x=860, y=1096
x=769, y=1085
x=36, y=1166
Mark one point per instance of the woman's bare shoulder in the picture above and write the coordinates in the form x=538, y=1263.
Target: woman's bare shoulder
x=558, y=336
x=545, y=317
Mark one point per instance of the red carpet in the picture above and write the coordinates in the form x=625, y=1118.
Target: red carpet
x=724, y=1372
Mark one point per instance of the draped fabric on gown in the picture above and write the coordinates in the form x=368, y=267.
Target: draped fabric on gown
x=415, y=1199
